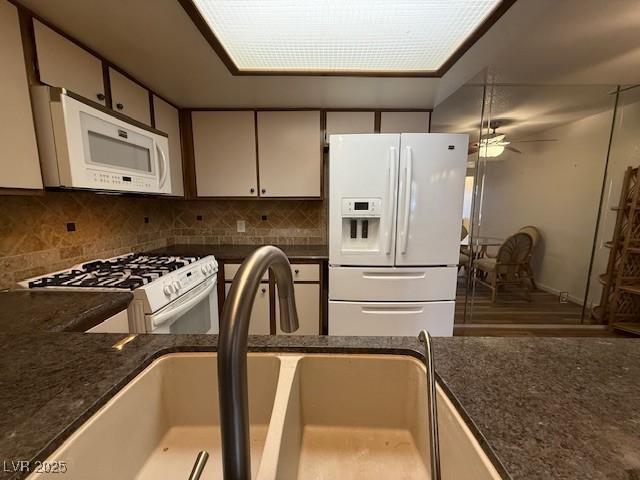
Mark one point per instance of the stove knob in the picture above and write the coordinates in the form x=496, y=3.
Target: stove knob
x=204, y=269
x=177, y=286
x=211, y=268
x=168, y=289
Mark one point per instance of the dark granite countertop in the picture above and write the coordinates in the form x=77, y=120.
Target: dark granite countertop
x=27, y=311
x=548, y=408
x=240, y=252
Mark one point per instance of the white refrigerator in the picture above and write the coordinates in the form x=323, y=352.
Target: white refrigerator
x=395, y=213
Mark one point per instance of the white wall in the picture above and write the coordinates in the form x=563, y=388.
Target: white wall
x=625, y=152
x=556, y=187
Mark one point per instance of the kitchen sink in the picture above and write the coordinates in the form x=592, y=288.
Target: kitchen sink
x=155, y=426
x=317, y=416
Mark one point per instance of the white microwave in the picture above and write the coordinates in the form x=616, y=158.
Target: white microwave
x=85, y=147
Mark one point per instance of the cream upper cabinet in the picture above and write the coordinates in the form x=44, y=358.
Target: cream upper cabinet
x=62, y=63
x=349, y=122
x=308, y=307
x=19, y=161
x=224, y=145
x=167, y=120
x=289, y=153
x=129, y=98
x=404, y=122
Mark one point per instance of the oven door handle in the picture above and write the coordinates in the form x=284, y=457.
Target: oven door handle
x=197, y=295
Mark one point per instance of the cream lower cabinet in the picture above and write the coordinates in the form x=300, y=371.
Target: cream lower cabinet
x=167, y=120
x=19, y=161
x=260, y=323
x=307, y=288
x=289, y=153
x=118, y=323
x=62, y=63
x=224, y=145
x=308, y=307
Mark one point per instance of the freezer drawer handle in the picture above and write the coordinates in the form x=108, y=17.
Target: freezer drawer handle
x=393, y=310
x=407, y=202
x=391, y=199
x=394, y=276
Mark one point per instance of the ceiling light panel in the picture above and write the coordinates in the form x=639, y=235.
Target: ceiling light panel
x=343, y=35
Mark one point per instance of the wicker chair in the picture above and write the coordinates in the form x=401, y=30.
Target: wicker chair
x=534, y=233
x=465, y=256
x=509, y=265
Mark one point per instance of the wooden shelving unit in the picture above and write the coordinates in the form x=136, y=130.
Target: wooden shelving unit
x=620, y=301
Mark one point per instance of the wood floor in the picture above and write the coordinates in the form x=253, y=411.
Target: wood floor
x=512, y=308
x=513, y=315
x=498, y=330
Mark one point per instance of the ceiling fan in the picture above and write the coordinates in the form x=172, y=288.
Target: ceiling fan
x=493, y=144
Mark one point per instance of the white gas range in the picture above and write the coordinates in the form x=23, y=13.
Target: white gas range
x=171, y=294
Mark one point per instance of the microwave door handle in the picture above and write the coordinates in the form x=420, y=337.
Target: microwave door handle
x=174, y=313
x=391, y=199
x=163, y=161
x=407, y=202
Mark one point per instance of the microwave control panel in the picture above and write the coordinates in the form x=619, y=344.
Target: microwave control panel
x=104, y=179
x=361, y=207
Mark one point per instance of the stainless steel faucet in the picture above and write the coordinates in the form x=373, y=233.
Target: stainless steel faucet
x=232, y=352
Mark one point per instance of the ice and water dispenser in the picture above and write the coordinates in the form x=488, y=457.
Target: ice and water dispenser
x=361, y=224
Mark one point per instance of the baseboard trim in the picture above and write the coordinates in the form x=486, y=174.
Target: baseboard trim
x=529, y=326
x=555, y=291
x=531, y=330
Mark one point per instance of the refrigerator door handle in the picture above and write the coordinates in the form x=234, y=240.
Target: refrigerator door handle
x=404, y=234
x=391, y=198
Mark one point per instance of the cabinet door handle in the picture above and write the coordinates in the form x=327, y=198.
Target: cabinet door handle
x=263, y=290
x=100, y=96
x=252, y=190
x=264, y=190
x=119, y=106
x=296, y=271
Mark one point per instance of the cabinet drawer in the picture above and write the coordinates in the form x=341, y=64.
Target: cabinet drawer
x=391, y=318
x=392, y=284
x=230, y=270
x=305, y=272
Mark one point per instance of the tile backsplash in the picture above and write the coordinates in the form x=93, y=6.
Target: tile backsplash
x=53, y=231
x=282, y=222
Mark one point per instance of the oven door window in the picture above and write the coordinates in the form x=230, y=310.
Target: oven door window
x=196, y=320
x=109, y=145
x=195, y=312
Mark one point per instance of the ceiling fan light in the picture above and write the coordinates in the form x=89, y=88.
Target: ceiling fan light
x=491, y=151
